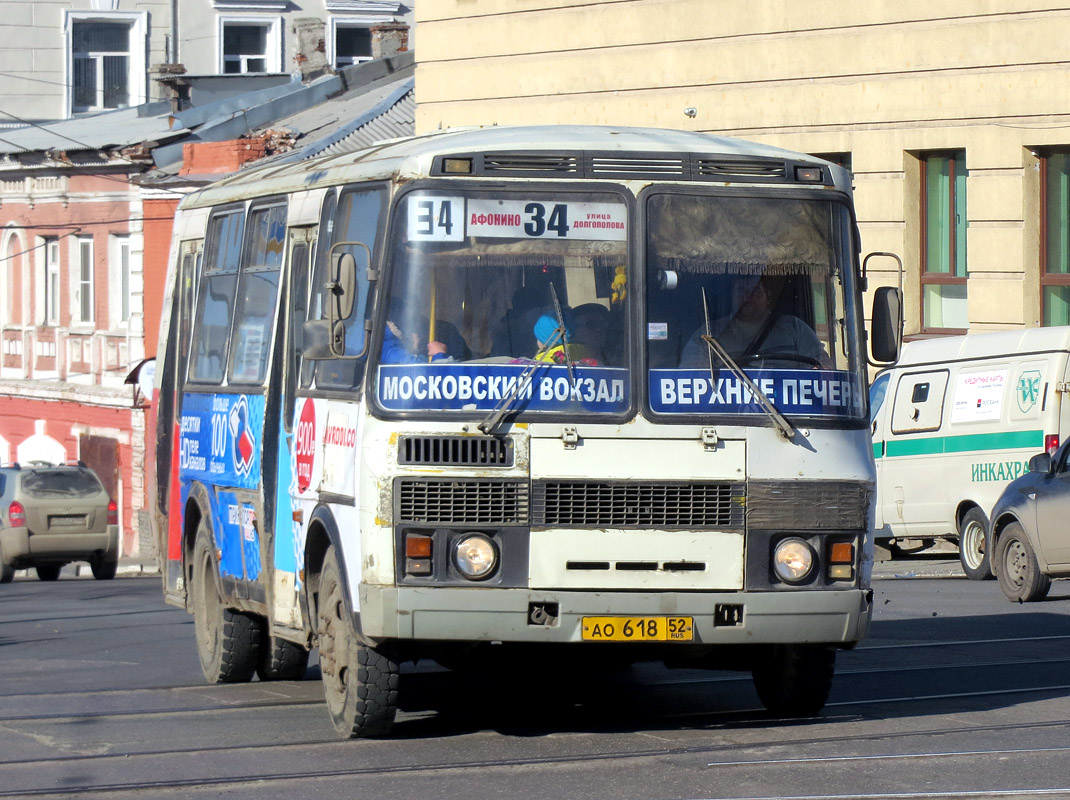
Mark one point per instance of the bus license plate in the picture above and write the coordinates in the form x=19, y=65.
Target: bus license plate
x=638, y=629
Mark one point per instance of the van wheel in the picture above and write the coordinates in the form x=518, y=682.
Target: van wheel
x=48, y=572
x=104, y=569
x=227, y=640
x=7, y=571
x=974, y=552
x=360, y=681
x=794, y=680
x=1018, y=572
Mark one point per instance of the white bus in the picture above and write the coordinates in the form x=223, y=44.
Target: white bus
x=566, y=392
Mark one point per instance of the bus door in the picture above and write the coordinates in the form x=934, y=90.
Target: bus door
x=288, y=541
x=229, y=428
x=169, y=406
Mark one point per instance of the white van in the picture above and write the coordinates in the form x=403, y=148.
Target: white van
x=954, y=421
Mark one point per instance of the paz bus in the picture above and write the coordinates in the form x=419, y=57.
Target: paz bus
x=575, y=394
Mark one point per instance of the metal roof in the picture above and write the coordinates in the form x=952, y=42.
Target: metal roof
x=110, y=129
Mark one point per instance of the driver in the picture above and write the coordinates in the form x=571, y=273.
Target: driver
x=756, y=332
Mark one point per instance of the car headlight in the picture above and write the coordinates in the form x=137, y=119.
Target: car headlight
x=793, y=560
x=475, y=556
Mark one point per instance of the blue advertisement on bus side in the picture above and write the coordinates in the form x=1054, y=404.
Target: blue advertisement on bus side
x=823, y=393
x=219, y=439
x=483, y=387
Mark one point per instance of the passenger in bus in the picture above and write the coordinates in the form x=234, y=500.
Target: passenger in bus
x=401, y=349
x=590, y=322
x=552, y=342
x=512, y=332
x=757, y=333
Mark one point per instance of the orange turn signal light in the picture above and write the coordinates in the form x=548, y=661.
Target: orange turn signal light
x=842, y=553
x=417, y=546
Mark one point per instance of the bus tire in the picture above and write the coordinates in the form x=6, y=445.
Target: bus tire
x=974, y=553
x=280, y=660
x=1020, y=578
x=228, y=641
x=794, y=680
x=360, y=681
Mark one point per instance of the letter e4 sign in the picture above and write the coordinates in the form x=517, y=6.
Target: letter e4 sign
x=305, y=445
x=1028, y=390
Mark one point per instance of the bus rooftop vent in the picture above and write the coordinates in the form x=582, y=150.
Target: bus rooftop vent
x=479, y=451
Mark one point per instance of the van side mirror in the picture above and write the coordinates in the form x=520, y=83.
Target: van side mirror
x=886, y=326
x=1041, y=462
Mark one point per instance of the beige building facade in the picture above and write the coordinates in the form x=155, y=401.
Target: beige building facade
x=953, y=117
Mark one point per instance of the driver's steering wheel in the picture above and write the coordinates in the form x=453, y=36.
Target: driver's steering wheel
x=813, y=363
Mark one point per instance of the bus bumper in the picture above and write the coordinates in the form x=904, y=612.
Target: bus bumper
x=505, y=615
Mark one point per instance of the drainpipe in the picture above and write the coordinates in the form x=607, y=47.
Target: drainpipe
x=172, y=57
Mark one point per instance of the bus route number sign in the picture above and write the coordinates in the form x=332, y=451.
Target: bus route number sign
x=638, y=629
x=452, y=219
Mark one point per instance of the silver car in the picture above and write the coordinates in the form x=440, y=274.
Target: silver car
x=1029, y=532
x=51, y=515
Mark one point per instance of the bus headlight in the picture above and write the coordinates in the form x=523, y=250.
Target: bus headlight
x=793, y=560
x=475, y=556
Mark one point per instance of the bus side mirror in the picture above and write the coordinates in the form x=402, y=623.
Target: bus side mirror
x=1041, y=462
x=317, y=340
x=341, y=295
x=886, y=326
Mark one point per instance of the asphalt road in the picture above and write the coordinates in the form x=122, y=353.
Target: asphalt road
x=957, y=693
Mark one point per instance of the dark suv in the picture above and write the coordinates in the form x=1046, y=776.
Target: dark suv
x=53, y=514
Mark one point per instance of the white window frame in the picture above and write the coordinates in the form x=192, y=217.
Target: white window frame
x=51, y=276
x=83, y=281
x=137, y=78
x=273, y=56
x=121, y=270
x=348, y=21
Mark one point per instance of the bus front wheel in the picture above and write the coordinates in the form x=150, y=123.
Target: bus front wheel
x=794, y=680
x=360, y=681
x=228, y=641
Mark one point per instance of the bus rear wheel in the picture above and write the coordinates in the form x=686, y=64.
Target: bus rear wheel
x=228, y=641
x=794, y=680
x=360, y=681
x=280, y=660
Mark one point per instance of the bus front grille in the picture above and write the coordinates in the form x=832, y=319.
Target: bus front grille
x=636, y=504
x=455, y=450
x=448, y=501
x=808, y=505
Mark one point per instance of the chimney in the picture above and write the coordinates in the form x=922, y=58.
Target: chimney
x=310, y=49
x=389, y=39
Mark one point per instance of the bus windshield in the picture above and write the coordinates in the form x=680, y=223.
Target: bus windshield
x=765, y=280
x=495, y=297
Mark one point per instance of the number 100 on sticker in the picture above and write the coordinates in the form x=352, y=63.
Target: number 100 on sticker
x=451, y=219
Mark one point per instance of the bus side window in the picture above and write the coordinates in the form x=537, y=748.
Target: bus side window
x=258, y=289
x=208, y=356
x=356, y=219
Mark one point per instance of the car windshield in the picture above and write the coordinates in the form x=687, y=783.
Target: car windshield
x=494, y=298
x=66, y=482
x=765, y=280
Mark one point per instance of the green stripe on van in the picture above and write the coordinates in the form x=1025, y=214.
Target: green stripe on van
x=961, y=444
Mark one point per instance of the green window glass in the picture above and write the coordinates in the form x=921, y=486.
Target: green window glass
x=944, y=304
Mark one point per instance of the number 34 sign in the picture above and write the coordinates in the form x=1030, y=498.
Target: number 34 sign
x=451, y=219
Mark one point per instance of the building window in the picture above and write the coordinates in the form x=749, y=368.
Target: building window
x=352, y=45
x=943, y=242
x=122, y=277
x=105, y=59
x=250, y=45
x=100, y=55
x=51, y=295
x=1055, y=230
x=84, y=294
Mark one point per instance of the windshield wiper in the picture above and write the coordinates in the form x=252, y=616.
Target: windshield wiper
x=508, y=403
x=784, y=428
